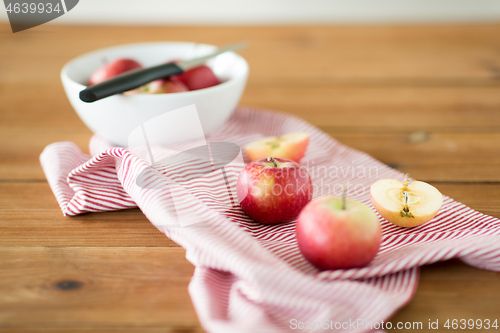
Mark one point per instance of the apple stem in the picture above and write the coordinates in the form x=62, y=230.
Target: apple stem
x=273, y=161
x=344, y=193
x=407, y=181
x=406, y=209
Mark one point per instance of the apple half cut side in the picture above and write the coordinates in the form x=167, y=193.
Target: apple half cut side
x=406, y=204
x=290, y=146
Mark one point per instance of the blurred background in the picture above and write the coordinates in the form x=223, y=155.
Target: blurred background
x=220, y=12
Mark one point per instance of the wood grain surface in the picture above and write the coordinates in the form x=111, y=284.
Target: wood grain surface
x=423, y=99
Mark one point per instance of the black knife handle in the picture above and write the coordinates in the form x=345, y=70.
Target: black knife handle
x=128, y=81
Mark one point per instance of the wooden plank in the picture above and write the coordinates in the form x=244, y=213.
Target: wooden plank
x=481, y=197
x=452, y=290
x=49, y=107
x=431, y=156
x=103, y=287
x=358, y=104
x=405, y=108
x=126, y=288
x=289, y=53
x=21, y=157
x=30, y=216
x=444, y=154
x=380, y=107
x=110, y=329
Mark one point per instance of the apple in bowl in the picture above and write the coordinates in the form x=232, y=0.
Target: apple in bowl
x=200, y=77
x=273, y=190
x=112, y=69
x=115, y=117
x=162, y=86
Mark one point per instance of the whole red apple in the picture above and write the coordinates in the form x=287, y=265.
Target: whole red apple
x=274, y=190
x=198, y=78
x=332, y=233
x=113, y=69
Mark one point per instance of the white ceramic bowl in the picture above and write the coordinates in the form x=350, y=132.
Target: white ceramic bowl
x=115, y=117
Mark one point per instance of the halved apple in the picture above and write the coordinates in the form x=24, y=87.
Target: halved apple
x=406, y=204
x=291, y=146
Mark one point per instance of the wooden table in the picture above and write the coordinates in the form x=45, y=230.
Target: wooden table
x=423, y=99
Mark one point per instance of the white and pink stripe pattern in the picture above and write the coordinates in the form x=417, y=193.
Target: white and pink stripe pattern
x=250, y=277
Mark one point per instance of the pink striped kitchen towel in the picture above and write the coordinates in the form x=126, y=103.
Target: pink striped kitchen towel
x=251, y=277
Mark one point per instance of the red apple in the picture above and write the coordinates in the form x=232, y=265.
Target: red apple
x=332, y=234
x=113, y=69
x=173, y=86
x=273, y=190
x=291, y=146
x=198, y=78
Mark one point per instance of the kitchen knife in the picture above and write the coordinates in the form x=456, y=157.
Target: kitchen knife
x=138, y=77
